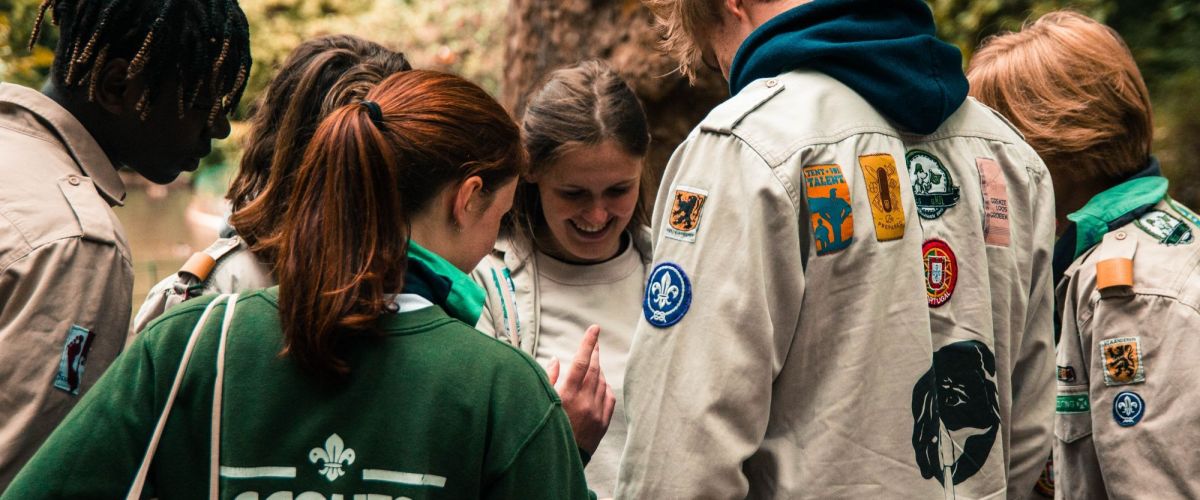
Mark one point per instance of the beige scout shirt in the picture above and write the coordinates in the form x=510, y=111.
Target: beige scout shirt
x=810, y=301
x=1127, y=373
x=228, y=266
x=65, y=273
x=570, y=298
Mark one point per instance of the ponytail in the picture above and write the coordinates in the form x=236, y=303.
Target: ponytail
x=370, y=167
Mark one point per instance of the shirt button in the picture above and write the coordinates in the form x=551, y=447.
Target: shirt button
x=73, y=180
x=1120, y=235
x=772, y=83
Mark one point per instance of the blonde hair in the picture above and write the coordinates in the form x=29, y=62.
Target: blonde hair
x=684, y=23
x=1072, y=87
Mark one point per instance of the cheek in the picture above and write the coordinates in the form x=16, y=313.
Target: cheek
x=625, y=205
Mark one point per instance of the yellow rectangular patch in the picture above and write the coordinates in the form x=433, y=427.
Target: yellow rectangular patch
x=829, y=203
x=883, y=191
x=1122, y=361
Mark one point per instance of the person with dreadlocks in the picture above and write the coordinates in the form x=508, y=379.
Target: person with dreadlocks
x=318, y=76
x=145, y=84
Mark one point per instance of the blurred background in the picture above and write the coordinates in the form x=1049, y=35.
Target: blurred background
x=507, y=46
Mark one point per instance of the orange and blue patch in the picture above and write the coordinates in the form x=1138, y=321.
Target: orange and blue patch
x=829, y=204
x=684, y=219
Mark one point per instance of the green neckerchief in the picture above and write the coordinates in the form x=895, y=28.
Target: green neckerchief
x=464, y=301
x=1092, y=220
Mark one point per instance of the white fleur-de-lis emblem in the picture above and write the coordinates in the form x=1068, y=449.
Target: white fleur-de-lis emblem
x=1128, y=406
x=664, y=291
x=333, y=458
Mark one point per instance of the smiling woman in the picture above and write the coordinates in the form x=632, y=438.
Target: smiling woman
x=576, y=250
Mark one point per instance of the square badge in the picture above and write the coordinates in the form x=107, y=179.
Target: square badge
x=684, y=220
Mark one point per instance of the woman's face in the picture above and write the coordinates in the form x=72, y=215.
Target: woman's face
x=588, y=196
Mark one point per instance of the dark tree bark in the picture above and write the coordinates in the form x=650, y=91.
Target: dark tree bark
x=544, y=35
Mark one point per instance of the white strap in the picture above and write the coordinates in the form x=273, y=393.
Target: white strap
x=214, y=456
x=139, y=481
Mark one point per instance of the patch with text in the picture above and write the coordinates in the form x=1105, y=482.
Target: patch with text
x=829, y=203
x=941, y=271
x=1073, y=403
x=996, y=230
x=1164, y=227
x=668, y=295
x=883, y=191
x=684, y=219
x=1122, y=361
x=933, y=186
x=1128, y=409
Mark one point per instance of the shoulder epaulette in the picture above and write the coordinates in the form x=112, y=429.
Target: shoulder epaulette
x=201, y=264
x=1114, y=265
x=726, y=116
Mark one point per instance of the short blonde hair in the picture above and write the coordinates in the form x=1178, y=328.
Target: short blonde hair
x=685, y=23
x=1072, y=87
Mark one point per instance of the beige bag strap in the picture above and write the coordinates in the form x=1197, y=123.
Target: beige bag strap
x=139, y=481
x=214, y=457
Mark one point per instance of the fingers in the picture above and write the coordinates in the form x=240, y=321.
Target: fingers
x=584, y=357
x=610, y=404
x=552, y=372
x=591, y=379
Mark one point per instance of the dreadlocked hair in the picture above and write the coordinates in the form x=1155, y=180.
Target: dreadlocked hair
x=204, y=45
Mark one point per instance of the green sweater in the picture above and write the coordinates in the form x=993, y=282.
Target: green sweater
x=431, y=409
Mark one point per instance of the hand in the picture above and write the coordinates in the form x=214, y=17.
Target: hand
x=586, y=397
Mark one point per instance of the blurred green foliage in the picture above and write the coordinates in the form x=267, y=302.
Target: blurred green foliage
x=467, y=37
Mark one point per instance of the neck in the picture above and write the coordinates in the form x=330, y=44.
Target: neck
x=1073, y=195
x=437, y=236
x=88, y=114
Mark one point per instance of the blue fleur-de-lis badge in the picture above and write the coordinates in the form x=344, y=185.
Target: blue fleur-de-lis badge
x=333, y=459
x=1128, y=408
x=668, y=295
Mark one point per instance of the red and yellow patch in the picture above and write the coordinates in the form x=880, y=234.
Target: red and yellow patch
x=883, y=190
x=941, y=271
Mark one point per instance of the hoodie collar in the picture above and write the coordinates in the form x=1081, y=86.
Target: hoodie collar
x=885, y=50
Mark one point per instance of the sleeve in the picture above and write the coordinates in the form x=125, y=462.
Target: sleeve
x=1033, y=364
x=546, y=466
x=1076, y=469
x=64, y=317
x=97, y=450
x=721, y=308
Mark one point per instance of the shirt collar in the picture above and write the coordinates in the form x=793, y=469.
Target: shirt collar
x=436, y=279
x=1115, y=206
x=84, y=149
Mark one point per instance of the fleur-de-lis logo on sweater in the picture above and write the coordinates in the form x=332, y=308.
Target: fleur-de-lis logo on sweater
x=664, y=290
x=333, y=459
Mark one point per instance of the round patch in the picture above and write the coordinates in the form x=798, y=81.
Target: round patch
x=941, y=271
x=933, y=187
x=1128, y=409
x=668, y=295
x=1166, y=228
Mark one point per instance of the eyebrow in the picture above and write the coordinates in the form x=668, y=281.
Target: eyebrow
x=619, y=184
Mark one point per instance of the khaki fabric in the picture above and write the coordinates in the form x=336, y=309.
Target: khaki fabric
x=569, y=298
x=800, y=375
x=236, y=270
x=64, y=263
x=1140, y=339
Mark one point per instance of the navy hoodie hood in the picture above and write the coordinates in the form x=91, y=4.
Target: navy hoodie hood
x=886, y=50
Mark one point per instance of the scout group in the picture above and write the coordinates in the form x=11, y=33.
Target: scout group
x=867, y=274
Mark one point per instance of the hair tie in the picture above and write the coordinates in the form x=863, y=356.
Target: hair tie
x=374, y=111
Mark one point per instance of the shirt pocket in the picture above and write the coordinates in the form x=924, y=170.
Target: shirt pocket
x=1072, y=414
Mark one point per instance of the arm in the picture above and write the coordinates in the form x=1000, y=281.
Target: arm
x=698, y=393
x=1033, y=362
x=68, y=285
x=547, y=466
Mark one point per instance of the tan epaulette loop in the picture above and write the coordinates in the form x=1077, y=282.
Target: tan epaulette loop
x=198, y=265
x=1114, y=270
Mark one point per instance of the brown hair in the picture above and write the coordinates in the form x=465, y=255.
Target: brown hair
x=685, y=23
x=344, y=240
x=583, y=105
x=1072, y=87
x=318, y=76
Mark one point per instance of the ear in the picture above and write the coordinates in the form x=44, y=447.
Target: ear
x=115, y=92
x=735, y=9
x=469, y=201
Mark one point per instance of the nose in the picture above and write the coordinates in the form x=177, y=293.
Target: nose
x=596, y=214
x=220, y=128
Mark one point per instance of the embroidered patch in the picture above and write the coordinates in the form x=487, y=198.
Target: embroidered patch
x=941, y=271
x=684, y=220
x=933, y=187
x=1184, y=211
x=1128, y=409
x=74, y=355
x=995, y=202
x=1045, y=482
x=883, y=191
x=1066, y=374
x=668, y=295
x=1072, y=403
x=1165, y=227
x=1122, y=361
x=829, y=202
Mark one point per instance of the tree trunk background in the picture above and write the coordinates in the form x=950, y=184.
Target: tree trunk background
x=544, y=35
